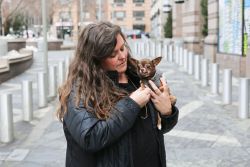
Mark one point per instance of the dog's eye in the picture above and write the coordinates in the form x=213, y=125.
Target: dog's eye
x=147, y=66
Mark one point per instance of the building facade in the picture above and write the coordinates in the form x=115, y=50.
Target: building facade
x=187, y=27
x=130, y=14
x=187, y=24
x=160, y=10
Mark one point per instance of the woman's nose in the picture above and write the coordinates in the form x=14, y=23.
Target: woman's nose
x=122, y=55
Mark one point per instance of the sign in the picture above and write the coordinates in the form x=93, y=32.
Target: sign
x=230, y=26
x=247, y=24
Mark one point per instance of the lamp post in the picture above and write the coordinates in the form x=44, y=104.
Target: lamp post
x=45, y=41
x=81, y=13
x=100, y=10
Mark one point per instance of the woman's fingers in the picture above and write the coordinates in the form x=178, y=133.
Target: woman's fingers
x=155, y=88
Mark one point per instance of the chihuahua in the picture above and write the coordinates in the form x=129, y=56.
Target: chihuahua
x=146, y=70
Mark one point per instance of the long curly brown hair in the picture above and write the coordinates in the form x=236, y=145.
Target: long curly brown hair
x=93, y=87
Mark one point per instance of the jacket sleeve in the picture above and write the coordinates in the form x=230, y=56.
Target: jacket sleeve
x=93, y=134
x=168, y=122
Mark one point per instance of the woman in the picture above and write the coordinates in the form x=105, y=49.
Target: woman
x=108, y=119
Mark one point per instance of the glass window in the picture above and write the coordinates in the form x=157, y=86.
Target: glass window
x=138, y=13
x=120, y=14
x=119, y=1
x=138, y=1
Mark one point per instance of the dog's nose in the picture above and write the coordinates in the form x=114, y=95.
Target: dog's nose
x=143, y=70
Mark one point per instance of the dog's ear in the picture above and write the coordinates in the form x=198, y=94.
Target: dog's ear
x=156, y=61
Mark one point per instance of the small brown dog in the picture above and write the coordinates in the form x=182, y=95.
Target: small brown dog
x=146, y=70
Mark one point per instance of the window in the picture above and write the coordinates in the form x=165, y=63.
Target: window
x=138, y=13
x=139, y=27
x=119, y=1
x=138, y=1
x=64, y=1
x=65, y=16
x=119, y=14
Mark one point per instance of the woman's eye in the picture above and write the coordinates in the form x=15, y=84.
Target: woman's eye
x=112, y=56
x=122, y=48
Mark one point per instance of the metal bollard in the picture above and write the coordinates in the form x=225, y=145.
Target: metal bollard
x=204, y=76
x=244, y=98
x=170, y=55
x=52, y=81
x=152, y=49
x=164, y=51
x=176, y=57
x=191, y=63
x=6, y=119
x=42, y=97
x=27, y=100
x=185, y=59
x=61, y=73
x=67, y=63
x=227, y=86
x=146, y=49
x=158, y=53
x=197, y=67
x=215, y=79
x=143, y=49
x=181, y=57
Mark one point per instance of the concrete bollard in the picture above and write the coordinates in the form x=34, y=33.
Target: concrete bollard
x=227, y=86
x=244, y=98
x=6, y=119
x=42, y=96
x=52, y=81
x=204, y=76
x=197, y=67
x=27, y=100
x=61, y=73
x=190, y=63
x=215, y=78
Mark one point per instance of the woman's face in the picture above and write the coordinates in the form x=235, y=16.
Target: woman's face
x=117, y=61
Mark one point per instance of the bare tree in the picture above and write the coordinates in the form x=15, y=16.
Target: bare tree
x=1, y=29
x=17, y=7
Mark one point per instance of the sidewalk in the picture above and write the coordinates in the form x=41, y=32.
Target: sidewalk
x=208, y=133
x=40, y=142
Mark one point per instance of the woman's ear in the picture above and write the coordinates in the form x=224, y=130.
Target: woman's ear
x=156, y=61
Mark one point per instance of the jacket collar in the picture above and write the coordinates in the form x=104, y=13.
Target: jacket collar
x=113, y=75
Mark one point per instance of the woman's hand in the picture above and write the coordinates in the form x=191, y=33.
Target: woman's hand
x=141, y=96
x=160, y=97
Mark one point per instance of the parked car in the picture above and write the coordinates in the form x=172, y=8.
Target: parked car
x=135, y=34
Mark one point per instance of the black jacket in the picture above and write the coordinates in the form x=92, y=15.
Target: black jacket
x=98, y=143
